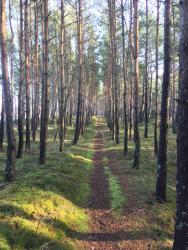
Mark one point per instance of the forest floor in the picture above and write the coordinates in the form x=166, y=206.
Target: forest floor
x=87, y=198
x=119, y=218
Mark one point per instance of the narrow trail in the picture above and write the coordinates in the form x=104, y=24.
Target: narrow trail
x=104, y=234
x=109, y=232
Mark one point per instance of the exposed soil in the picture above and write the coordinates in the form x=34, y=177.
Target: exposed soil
x=109, y=231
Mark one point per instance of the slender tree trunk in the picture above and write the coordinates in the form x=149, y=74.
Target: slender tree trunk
x=11, y=54
x=181, y=229
x=11, y=149
x=174, y=130
x=20, y=93
x=80, y=80
x=62, y=80
x=136, y=87
x=146, y=75
x=36, y=76
x=124, y=82
x=45, y=89
x=156, y=82
x=162, y=153
x=131, y=71
x=114, y=72
x=27, y=79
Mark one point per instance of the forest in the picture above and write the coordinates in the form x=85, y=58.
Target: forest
x=93, y=124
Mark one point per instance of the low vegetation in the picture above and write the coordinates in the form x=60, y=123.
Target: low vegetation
x=44, y=207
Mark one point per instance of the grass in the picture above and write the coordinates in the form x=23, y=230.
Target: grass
x=118, y=198
x=44, y=208
x=160, y=226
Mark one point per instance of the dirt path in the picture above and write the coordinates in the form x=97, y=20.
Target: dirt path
x=107, y=231
x=104, y=234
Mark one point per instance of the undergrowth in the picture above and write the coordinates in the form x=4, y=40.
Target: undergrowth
x=44, y=207
x=142, y=184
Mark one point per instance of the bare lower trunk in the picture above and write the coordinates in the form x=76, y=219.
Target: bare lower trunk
x=11, y=148
x=45, y=89
x=20, y=93
x=162, y=153
x=181, y=229
x=136, y=88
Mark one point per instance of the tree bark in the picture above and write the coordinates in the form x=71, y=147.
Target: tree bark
x=27, y=79
x=80, y=80
x=45, y=88
x=162, y=153
x=136, y=87
x=146, y=75
x=20, y=93
x=62, y=80
x=156, y=82
x=11, y=149
x=124, y=82
x=181, y=229
x=36, y=76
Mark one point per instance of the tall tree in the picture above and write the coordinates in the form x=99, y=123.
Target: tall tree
x=36, y=73
x=45, y=88
x=11, y=149
x=80, y=69
x=136, y=87
x=114, y=71
x=20, y=93
x=162, y=152
x=27, y=78
x=124, y=81
x=156, y=81
x=146, y=74
x=62, y=79
x=181, y=229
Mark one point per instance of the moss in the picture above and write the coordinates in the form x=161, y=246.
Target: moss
x=118, y=198
x=45, y=207
x=142, y=183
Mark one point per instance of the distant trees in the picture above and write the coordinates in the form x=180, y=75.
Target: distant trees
x=11, y=148
x=181, y=229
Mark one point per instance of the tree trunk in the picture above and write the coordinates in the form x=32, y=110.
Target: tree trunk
x=181, y=229
x=11, y=149
x=156, y=82
x=20, y=93
x=62, y=80
x=80, y=80
x=162, y=153
x=27, y=79
x=124, y=81
x=146, y=75
x=136, y=87
x=36, y=76
x=45, y=88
